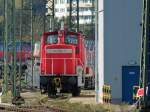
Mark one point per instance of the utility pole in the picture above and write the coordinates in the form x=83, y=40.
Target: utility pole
x=99, y=50
x=32, y=43
x=74, y=14
x=92, y=21
x=70, y=15
x=50, y=12
x=26, y=6
x=145, y=57
x=17, y=99
x=5, y=82
x=96, y=53
x=77, y=15
x=44, y=19
x=20, y=59
x=14, y=49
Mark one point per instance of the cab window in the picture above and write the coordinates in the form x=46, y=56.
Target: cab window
x=71, y=39
x=52, y=39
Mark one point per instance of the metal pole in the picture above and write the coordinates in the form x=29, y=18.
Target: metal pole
x=92, y=21
x=44, y=22
x=74, y=13
x=5, y=86
x=145, y=75
x=14, y=49
x=70, y=15
x=99, y=50
x=50, y=23
x=32, y=39
x=142, y=48
x=144, y=78
x=96, y=52
x=77, y=15
x=20, y=59
x=3, y=42
x=52, y=15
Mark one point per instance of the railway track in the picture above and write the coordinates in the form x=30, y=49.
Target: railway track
x=42, y=107
x=38, y=108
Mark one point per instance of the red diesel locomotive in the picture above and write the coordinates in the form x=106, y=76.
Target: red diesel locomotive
x=62, y=62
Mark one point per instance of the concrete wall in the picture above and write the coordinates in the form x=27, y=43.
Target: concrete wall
x=122, y=35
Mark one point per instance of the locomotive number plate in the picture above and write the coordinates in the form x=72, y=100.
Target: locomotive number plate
x=59, y=50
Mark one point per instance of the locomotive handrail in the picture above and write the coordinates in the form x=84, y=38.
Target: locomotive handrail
x=65, y=58
x=76, y=61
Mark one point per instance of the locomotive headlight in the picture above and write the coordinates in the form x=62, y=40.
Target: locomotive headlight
x=79, y=69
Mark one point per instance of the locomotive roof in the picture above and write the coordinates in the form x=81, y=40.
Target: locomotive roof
x=56, y=32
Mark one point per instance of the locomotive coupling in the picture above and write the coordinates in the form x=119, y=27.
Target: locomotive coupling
x=57, y=82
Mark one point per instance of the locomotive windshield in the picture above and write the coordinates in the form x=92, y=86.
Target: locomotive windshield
x=71, y=39
x=52, y=39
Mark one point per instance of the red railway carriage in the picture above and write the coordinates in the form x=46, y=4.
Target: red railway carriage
x=23, y=55
x=62, y=62
x=19, y=55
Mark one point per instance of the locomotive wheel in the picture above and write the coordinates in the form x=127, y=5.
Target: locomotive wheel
x=43, y=89
x=51, y=89
x=76, y=91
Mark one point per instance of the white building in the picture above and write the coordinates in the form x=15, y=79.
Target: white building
x=85, y=11
x=119, y=41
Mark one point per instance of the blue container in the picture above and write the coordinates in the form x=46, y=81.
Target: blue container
x=130, y=78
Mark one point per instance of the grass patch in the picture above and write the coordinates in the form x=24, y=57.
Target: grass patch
x=76, y=107
x=79, y=107
x=6, y=98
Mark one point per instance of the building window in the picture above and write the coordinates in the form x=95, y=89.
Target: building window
x=56, y=10
x=62, y=2
x=68, y=9
x=62, y=10
x=81, y=1
x=56, y=1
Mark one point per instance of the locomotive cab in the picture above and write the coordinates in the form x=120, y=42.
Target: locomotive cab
x=62, y=62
